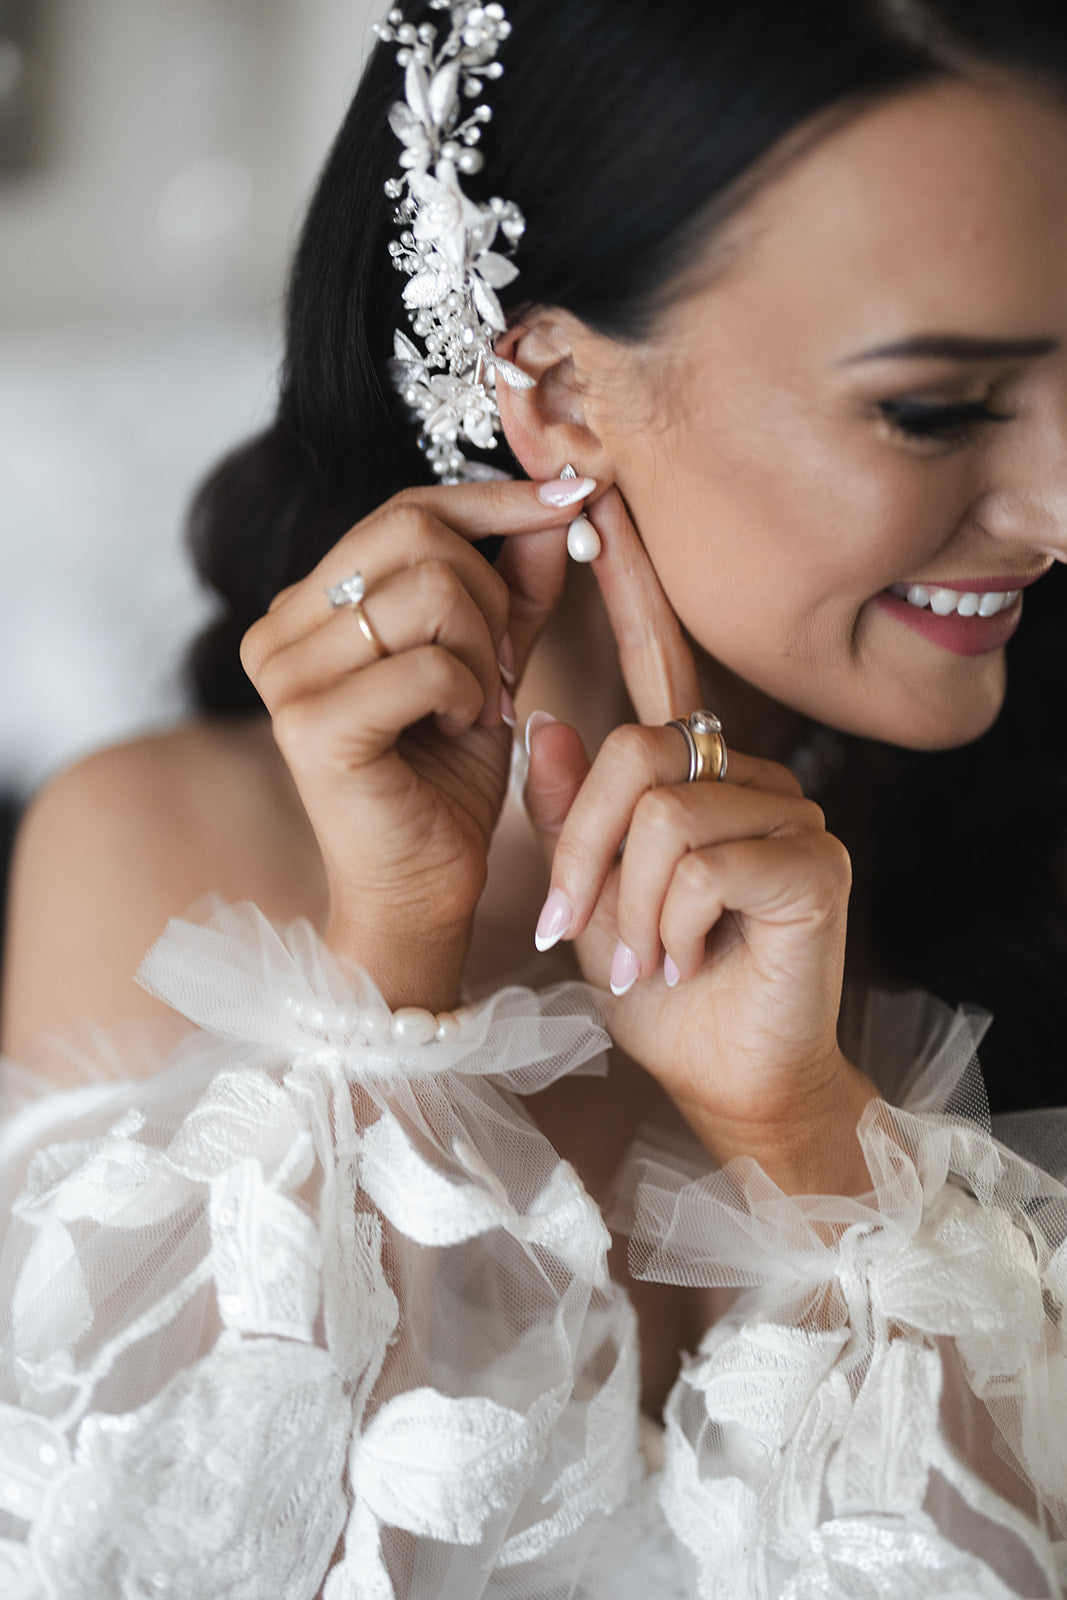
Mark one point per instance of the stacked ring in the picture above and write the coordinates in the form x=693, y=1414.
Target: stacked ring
x=349, y=594
x=702, y=732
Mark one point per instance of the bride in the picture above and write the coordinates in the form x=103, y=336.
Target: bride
x=759, y=312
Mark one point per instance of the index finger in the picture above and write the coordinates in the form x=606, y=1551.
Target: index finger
x=500, y=506
x=657, y=663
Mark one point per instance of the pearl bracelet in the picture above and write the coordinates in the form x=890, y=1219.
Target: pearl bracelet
x=374, y=1025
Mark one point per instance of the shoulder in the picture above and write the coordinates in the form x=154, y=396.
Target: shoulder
x=122, y=841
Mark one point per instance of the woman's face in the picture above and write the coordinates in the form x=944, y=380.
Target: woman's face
x=824, y=437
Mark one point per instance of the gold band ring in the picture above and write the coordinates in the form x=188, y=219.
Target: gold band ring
x=367, y=629
x=348, y=596
x=702, y=732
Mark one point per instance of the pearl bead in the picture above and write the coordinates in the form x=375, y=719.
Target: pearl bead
x=471, y=161
x=375, y=1024
x=413, y=1025
x=583, y=541
x=447, y=1027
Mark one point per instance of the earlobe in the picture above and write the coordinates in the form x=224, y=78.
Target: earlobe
x=546, y=424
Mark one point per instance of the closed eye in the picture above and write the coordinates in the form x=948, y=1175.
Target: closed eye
x=924, y=419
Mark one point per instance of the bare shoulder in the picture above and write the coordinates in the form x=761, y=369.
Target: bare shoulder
x=129, y=837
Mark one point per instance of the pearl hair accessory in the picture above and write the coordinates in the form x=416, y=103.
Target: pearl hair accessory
x=446, y=247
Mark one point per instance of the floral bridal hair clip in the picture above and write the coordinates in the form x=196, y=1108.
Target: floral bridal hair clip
x=448, y=378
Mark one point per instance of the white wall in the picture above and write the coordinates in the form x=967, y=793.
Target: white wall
x=140, y=277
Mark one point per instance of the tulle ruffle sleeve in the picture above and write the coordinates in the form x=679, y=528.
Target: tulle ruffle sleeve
x=306, y=1313
x=883, y=1409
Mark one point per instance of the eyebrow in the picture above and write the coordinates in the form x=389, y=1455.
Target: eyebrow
x=956, y=347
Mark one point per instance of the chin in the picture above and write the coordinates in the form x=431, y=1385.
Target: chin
x=939, y=726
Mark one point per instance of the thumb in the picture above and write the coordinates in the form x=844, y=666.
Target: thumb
x=558, y=768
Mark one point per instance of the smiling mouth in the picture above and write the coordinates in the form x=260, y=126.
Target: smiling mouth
x=945, y=602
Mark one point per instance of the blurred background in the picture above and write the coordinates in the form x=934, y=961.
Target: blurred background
x=155, y=159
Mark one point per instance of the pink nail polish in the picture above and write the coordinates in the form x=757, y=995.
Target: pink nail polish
x=506, y=658
x=507, y=708
x=536, y=719
x=565, y=491
x=557, y=914
x=625, y=969
x=671, y=974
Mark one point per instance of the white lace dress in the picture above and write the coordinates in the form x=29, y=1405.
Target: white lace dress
x=302, y=1314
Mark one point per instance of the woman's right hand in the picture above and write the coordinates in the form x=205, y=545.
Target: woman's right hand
x=402, y=761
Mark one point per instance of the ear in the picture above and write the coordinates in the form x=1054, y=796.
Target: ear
x=548, y=425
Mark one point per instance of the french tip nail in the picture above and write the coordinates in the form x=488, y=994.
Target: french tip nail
x=625, y=969
x=561, y=492
x=507, y=708
x=557, y=914
x=620, y=989
x=506, y=660
x=536, y=719
x=671, y=972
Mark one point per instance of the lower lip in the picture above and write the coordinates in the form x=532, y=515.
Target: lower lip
x=964, y=636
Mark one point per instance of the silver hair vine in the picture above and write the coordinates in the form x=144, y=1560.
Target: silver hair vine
x=446, y=247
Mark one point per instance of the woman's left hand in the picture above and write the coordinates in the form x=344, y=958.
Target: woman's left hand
x=722, y=922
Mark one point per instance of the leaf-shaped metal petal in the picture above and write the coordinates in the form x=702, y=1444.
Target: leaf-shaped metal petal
x=403, y=349
x=497, y=270
x=512, y=375
x=441, y=95
x=487, y=304
x=416, y=93
x=426, y=289
x=405, y=124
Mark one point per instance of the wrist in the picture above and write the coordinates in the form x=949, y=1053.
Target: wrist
x=810, y=1146
x=419, y=967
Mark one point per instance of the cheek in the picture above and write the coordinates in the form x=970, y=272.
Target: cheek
x=803, y=532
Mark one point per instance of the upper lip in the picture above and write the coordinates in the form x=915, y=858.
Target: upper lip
x=1003, y=583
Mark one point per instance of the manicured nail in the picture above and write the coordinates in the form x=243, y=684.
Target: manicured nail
x=625, y=969
x=536, y=719
x=565, y=491
x=583, y=541
x=671, y=974
x=506, y=658
x=507, y=707
x=556, y=917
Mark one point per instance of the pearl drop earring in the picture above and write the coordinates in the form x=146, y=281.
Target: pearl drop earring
x=583, y=541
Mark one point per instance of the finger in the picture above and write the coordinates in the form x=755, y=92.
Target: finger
x=631, y=761
x=535, y=571
x=427, y=604
x=558, y=767
x=355, y=721
x=798, y=883
x=670, y=823
x=657, y=663
x=376, y=549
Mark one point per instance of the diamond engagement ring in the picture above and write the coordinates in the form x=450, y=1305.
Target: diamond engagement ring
x=702, y=732
x=349, y=595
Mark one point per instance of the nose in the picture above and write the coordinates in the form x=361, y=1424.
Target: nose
x=1026, y=503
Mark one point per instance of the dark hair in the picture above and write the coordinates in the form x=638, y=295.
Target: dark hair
x=625, y=130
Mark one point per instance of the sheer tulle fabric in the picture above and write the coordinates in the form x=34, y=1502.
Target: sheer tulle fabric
x=295, y=1315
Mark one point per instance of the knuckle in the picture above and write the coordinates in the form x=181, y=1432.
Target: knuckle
x=436, y=668
x=628, y=750
x=693, y=874
x=253, y=648
x=438, y=584
x=661, y=813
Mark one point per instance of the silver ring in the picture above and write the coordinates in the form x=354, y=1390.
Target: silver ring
x=703, y=735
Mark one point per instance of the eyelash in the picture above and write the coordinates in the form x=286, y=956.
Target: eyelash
x=948, y=424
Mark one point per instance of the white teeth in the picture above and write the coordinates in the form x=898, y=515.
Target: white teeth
x=943, y=602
